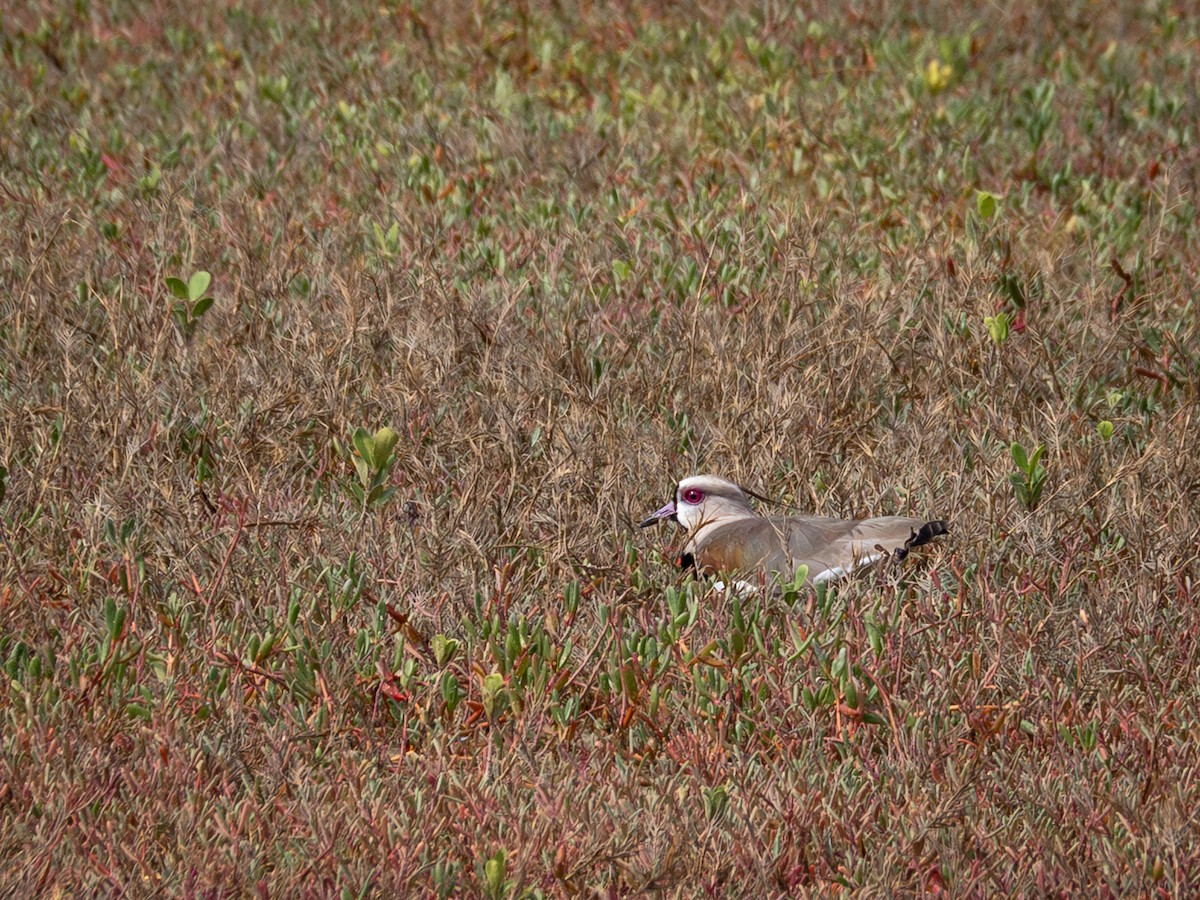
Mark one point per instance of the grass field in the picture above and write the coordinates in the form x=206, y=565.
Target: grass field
x=848, y=255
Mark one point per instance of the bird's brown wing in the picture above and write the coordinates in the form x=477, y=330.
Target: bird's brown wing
x=835, y=546
x=829, y=547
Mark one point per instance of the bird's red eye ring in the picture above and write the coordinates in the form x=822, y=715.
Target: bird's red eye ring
x=693, y=495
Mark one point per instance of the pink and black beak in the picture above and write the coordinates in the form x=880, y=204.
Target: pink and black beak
x=667, y=512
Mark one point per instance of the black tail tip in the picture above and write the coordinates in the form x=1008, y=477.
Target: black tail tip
x=922, y=535
x=928, y=532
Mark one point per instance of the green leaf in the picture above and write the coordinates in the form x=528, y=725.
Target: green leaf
x=364, y=444
x=1018, y=455
x=265, y=648
x=851, y=692
x=118, y=624
x=985, y=204
x=197, y=285
x=840, y=664
x=716, y=802
x=800, y=577
x=379, y=494
x=1012, y=288
x=274, y=89
x=1036, y=458
x=737, y=643
x=493, y=692
x=937, y=76
x=201, y=307
x=444, y=648
x=494, y=869
x=178, y=288
x=875, y=636
x=364, y=473
x=384, y=442
x=997, y=327
x=1104, y=429
x=629, y=682
x=450, y=692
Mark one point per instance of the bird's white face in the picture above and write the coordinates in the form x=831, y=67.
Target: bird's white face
x=691, y=501
x=701, y=500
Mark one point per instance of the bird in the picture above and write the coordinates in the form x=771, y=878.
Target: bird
x=726, y=535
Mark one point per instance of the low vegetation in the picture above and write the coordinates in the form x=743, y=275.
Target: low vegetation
x=342, y=347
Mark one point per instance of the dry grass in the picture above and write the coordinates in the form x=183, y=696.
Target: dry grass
x=625, y=251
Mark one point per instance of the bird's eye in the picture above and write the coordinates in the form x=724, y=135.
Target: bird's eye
x=693, y=495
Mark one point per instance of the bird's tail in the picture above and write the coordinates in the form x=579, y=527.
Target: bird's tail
x=923, y=535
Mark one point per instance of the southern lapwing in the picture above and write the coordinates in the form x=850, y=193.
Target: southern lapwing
x=726, y=536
